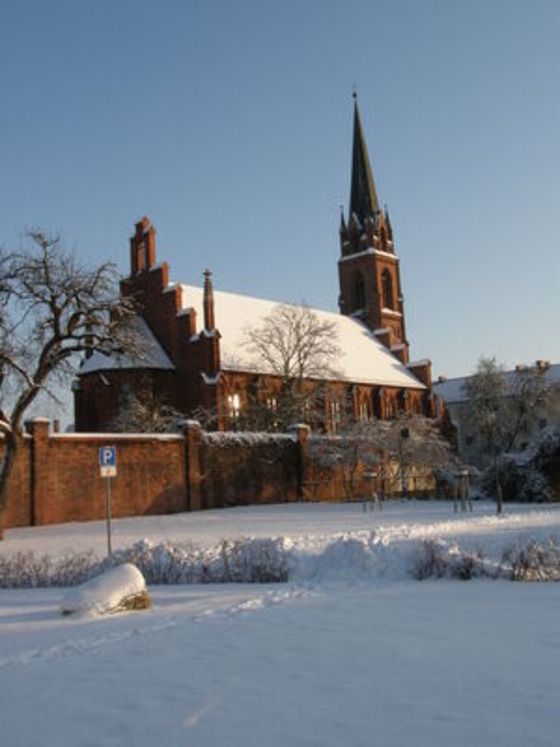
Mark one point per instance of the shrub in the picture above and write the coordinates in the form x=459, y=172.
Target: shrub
x=533, y=561
x=520, y=480
x=435, y=559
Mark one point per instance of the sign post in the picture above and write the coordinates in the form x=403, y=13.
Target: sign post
x=108, y=469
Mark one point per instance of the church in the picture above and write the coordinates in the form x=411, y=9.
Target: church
x=194, y=338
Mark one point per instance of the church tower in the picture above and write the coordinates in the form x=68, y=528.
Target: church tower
x=368, y=268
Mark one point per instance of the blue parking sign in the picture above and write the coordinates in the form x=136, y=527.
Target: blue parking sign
x=108, y=461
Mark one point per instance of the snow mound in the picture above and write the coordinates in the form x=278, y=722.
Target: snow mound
x=346, y=558
x=120, y=588
x=355, y=557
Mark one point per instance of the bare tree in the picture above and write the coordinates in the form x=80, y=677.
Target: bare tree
x=51, y=309
x=299, y=349
x=502, y=408
x=148, y=416
x=486, y=412
x=528, y=395
x=415, y=447
x=393, y=453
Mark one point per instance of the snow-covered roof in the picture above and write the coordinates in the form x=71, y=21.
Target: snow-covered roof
x=363, y=358
x=453, y=392
x=153, y=355
x=451, y=389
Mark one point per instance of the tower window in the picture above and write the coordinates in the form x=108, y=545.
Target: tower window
x=387, y=287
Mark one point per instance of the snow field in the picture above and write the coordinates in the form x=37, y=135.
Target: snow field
x=340, y=655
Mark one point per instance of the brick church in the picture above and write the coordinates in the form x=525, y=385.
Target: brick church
x=195, y=338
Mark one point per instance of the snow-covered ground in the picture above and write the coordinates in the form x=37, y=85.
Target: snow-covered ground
x=351, y=651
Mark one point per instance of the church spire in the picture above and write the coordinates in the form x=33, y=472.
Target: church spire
x=368, y=268
x=363, y=197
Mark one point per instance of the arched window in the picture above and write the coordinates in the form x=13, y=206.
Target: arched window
x=359, y=292
x=234, y=407
x=387, y=287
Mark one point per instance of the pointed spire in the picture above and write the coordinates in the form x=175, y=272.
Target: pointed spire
x=363, y=198
x=342, y=221
x=388, y=224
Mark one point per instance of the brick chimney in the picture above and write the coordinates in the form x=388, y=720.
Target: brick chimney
x=143, y=247
x=208, y=302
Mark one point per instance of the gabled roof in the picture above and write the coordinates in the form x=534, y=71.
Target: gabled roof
x=363, y=359
x=153, y=355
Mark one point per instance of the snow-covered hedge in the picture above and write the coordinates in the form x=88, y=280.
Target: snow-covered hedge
x=437, y=559
x=231, y=439
x=232, y=561
x=350, y=558
x=525, y=561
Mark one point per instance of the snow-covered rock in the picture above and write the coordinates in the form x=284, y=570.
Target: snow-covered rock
x=118, y=589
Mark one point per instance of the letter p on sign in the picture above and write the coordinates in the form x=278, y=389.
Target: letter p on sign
x=108, y=461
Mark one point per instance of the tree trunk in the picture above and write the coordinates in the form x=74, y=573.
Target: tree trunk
x=499, y=494
x=6, y=467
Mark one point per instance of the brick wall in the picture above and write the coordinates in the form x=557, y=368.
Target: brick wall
x=56, y=477
x=249, y=468
x=18, y=507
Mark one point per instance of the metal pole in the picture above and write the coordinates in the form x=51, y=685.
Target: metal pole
x=109, y=516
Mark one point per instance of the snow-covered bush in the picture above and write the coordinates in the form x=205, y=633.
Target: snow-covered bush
x=534, y=561
x=532, y=475
x=436, y=559
x=25, y=569
x=349, y=558
x=242, y=560
x=520, y=478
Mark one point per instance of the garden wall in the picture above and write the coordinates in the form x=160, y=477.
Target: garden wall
x=56, y=477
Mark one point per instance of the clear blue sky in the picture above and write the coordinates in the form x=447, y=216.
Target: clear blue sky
x=229, y=123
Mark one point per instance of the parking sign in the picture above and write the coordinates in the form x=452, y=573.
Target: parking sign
x=108, y=461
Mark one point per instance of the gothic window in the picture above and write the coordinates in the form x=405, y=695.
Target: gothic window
x=363, y=412
x=272, y=407
x=234, y=406
x=378, y=397
x=387, y=288
x=334, y=416
x=359, y=292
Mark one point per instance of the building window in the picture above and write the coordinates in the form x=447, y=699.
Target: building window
x=363, y=413
x=387, y=289
x=334, y=416
x=390, y=410
x=234, y=406
x=272, y=407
